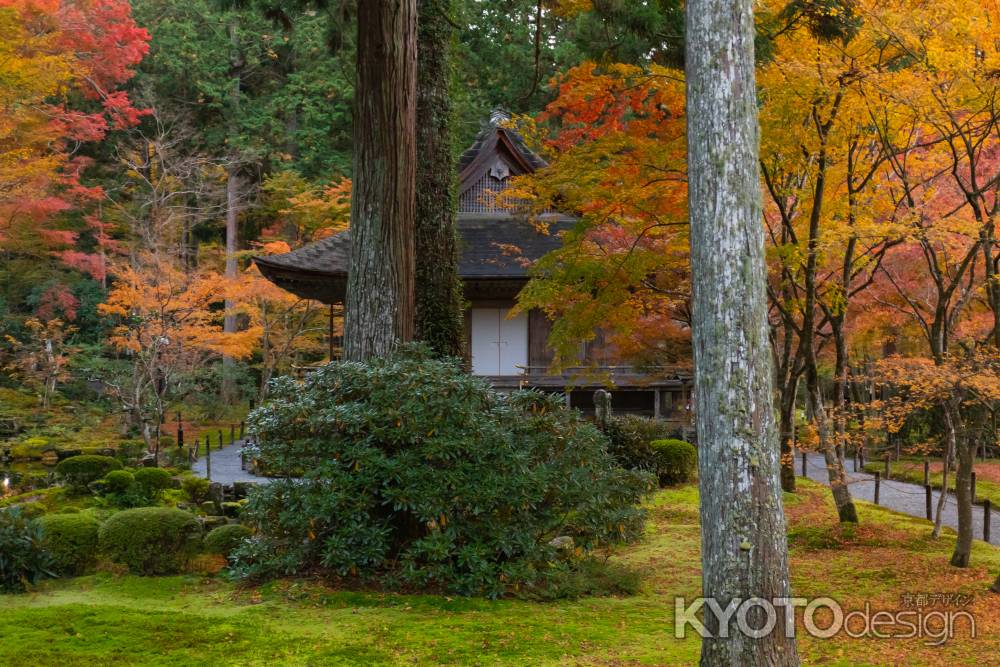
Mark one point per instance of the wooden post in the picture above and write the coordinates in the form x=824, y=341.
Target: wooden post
x=208, y=458
x=855, y=460
x=242, y=430
x=220, y=438
x=887, y=475
x=804, y=465
x=986, y=520
x=330, y=333
x=927, y=495
x=927, y=471
x=861, y=458
x=972, y=487
x=877, y=480
x=232, y=434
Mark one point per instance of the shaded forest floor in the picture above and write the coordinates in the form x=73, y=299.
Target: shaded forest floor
x=199, y=619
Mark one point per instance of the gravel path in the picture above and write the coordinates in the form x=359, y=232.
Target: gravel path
x=226, y=466
x=900, y=496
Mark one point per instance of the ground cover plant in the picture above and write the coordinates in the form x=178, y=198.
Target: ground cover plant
x=192, y=619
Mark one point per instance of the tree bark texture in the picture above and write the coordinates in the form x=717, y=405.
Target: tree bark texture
x=438, y=289
x=744, y=546
x=379, y=304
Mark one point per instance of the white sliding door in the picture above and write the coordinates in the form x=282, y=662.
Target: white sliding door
x=498, y=345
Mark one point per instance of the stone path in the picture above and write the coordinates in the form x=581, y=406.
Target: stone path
x=900, y=496
x=226, y=466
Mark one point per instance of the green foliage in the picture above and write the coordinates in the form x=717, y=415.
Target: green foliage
x=151, y=540
x=23, y=558
x=79, y=471
x=71, y=540
x=675, y=461
x=417, y=473
x=118, y=481
x=224, y=539
x=630, y=437
x=151, y=482
x=195, y=488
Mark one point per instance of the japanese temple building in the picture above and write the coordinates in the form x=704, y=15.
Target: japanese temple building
x=511, y=351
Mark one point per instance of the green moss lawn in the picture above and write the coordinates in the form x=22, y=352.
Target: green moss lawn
x=113, y=619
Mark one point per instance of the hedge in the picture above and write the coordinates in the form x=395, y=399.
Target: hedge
x=675, y=461
x=151, y=540
x=224, y=539
x=71, y=540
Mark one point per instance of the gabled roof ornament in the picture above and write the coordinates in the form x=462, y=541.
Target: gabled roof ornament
x=499, y=116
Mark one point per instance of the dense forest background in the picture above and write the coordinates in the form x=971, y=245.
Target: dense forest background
x=233, y=123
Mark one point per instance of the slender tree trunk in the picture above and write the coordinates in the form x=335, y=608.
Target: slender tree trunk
x=236, y=63
x=963, y=485
x=833, y=458
x=787, y=433
x=744, y=546
x=949, y=449
x=438, y=289
x=379, y=304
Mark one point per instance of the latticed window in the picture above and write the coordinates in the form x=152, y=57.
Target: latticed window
x=482, y=196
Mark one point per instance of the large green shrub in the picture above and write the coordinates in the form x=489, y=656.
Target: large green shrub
x=151, y=540
x=23, y=558
x=71, y=539
x=629, y=439
x=418, y=473
x=151, y=482
x=675, y=461
x=79, y=471
x=224, y=539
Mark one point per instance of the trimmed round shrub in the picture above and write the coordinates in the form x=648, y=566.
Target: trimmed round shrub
x=71, y=540
x=195, y=488
x=23, y=558
x=629, y=438
x=224, y=539
x=675, y=461
x=151, y=540
x=118, y=481
x=415, y=473
x=152, y=481
x=79, y=471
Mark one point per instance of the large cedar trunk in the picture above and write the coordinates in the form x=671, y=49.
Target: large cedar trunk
x=744, y=547
x=379, y=304
x=438, y=290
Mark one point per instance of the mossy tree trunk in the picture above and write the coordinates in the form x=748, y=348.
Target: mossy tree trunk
x=438, y=289
x=744, y=547
x=380, y=303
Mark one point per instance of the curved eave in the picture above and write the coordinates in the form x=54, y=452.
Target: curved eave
x=325, y=286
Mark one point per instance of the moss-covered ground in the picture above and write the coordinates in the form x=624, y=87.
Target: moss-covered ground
x=114, y=619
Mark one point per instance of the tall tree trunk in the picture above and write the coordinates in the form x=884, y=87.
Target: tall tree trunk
x=236, y=64
x=438, y=289
x=744, y=546
x=379, y=304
